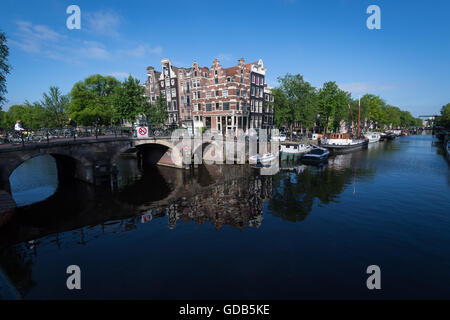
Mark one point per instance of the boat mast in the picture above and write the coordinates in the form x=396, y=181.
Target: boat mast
x=351, y=113
x=359, y=113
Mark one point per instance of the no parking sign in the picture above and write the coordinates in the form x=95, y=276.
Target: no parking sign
x=142, y=132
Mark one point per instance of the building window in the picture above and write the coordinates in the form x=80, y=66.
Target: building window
x=225, y=93
x=215, y=72
x=217, y=93
x=237, y=105
x=182, y=100
x=242, y=79
x=208, y=94
x=195, y=73
x=198, y=94
x=217, y=106
x=226, y=106
x=253, y=91
x=216, y=80
x=253, y=78
x=198, y=83
x=208, y=107
x=195, y=107
x=229, y=79
x=238, y=92
x=162, y=84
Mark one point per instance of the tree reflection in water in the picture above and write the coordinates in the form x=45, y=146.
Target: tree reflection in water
x=295, y=191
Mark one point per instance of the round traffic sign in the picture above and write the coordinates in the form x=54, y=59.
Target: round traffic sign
x=142, y=131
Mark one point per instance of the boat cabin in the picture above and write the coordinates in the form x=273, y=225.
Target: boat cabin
x=337, y=139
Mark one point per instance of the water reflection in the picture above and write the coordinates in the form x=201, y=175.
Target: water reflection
x=295, y=191
x=157, y=218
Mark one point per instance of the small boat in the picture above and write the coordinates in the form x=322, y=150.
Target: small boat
x=316, y=155
x=373, y=136
x=265, y=159
x=293, y=150
x=342, y=142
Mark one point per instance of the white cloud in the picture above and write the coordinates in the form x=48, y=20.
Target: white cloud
x=33, y=38
x=119, y=75
x=103, y=23
x=224, y=57
x=143, y=50
x=41, y=40
x=364, y=87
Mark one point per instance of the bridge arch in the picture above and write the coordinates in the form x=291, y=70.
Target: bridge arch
x=161, y=152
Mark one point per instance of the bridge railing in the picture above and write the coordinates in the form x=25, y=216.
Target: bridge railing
x=47, y=135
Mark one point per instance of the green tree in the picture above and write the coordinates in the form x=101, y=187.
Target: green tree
x=129, y=100
x=5, y=68
x=91, y=100
x=444, y=119
x=156, y=113
x=299, y=104
x=332, y=105
x=32, y=115
x=56, y=104
x=371, y=110
x=2, y=117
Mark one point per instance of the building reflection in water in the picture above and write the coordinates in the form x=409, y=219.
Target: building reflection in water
x=228, y=195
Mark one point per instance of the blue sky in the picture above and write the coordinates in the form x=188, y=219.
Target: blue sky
x=407, y=62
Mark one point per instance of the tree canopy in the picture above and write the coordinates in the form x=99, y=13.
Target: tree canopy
x=4, y=66
x=330, y=107
x=298, y=102
x=92, y=100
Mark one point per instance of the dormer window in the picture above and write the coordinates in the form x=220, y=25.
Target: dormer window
x=215, y=72
x=195, y=73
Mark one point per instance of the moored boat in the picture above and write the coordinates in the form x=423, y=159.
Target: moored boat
x=293, y=150
x=343, y=142
x=315, y=155
x=265, y=159
x=373, y=136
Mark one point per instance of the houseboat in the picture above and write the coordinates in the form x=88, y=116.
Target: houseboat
x=343, y=142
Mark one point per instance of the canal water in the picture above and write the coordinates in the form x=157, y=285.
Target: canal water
x=224, y=232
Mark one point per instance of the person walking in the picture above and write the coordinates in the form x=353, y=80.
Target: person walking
x=73, y=127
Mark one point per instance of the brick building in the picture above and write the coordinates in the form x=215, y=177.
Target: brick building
x=220, y=99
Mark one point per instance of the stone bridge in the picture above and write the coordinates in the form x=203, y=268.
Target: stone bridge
x=90, y=160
